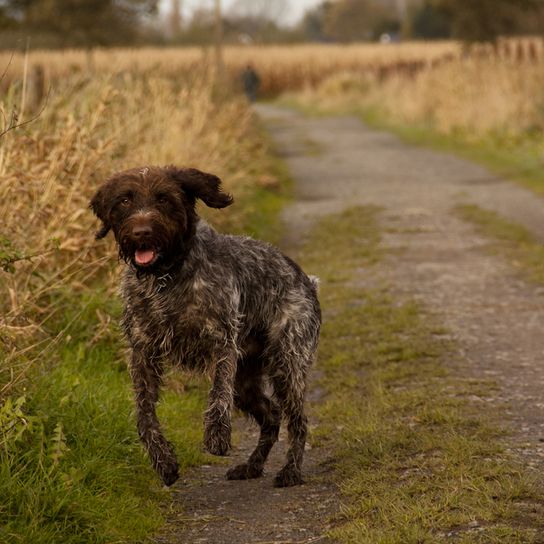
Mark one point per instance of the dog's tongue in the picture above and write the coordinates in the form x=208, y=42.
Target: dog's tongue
x=144, y=256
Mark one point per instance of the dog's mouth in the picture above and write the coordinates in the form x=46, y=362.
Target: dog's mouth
x=146, y=257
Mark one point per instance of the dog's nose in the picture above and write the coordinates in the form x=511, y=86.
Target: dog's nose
x=141, y=231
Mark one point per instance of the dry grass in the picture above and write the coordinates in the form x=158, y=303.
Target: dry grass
x=280, y=67
x=50, y=168
x=476, y=94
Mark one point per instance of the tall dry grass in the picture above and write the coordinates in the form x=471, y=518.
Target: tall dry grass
x=49, y=169
x=281, y=67
x=478, y=93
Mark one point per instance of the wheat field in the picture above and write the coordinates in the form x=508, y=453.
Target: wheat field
x=280, y=67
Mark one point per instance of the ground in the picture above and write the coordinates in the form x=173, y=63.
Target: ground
x=493, y=315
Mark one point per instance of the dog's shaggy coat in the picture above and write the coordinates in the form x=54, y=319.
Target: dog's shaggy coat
x=231, y=306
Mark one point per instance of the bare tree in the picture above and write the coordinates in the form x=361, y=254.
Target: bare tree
x=82, y=22
x=175, y=18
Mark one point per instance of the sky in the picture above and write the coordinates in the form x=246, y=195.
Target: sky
x=296, y=8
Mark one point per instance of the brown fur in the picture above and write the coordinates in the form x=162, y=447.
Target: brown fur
x=231, y=306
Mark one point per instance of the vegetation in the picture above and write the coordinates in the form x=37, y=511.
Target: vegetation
x=477, y=95
x=71, y=466
x=86, y=23
x=75, y=22
x=487, y=20
x=280, y=68
x=484, y=105
x=482, y=21
x=513, y=241
x=419, y=460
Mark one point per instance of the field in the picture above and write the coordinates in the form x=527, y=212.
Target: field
x=83, y=115
x=58, y=328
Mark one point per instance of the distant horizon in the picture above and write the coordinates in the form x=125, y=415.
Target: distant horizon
x=295, y=10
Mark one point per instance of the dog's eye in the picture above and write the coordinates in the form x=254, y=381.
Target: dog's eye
x=125, y=201
x=162, y=199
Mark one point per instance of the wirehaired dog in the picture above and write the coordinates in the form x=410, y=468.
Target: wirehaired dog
x=230, y=306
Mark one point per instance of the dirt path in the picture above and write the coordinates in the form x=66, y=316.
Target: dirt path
x=495, y=318
x=217, y=511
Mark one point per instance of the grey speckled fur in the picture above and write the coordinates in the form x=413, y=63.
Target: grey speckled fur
x=230, y=306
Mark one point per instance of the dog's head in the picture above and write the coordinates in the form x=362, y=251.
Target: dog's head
x=151, y=211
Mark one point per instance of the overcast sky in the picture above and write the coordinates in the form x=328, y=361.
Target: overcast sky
x=295, y=7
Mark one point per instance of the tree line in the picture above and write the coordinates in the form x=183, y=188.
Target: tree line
x=468, y=20
x=111, y=22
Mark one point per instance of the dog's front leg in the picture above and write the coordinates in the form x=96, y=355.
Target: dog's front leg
x=217, y=426
x=146, y=377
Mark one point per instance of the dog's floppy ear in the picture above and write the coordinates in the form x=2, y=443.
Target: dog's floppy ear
x=201, y=185
x=100, y=209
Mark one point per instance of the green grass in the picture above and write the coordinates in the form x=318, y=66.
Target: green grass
x=509, y=239
x=71, y=466
x=418, y=460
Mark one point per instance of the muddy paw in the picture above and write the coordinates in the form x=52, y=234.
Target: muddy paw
x=217, y=439
x=244, y=471
x=288, y=476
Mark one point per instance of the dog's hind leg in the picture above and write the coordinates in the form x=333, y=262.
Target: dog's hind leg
x=252, y=400
x=146, y=377
x=289, y=390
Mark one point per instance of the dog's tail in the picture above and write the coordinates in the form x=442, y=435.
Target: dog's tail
x=315, y=281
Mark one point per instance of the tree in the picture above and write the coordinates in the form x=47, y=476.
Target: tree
x=350, y=20
x=175, y=18
x=313, y=22
x=431, y=22
x=486, y=20
x=199, y=29
x=82, y=22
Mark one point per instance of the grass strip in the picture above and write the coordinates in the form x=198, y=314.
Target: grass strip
x=71, y=466
x=418, y=459
x=509, y=239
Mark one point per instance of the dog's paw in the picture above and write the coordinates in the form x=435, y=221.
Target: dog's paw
x=288, y=476
x=169, y=472
x=217, y=438
x=245, y=471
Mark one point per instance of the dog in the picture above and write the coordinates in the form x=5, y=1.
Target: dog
x=229, y=306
